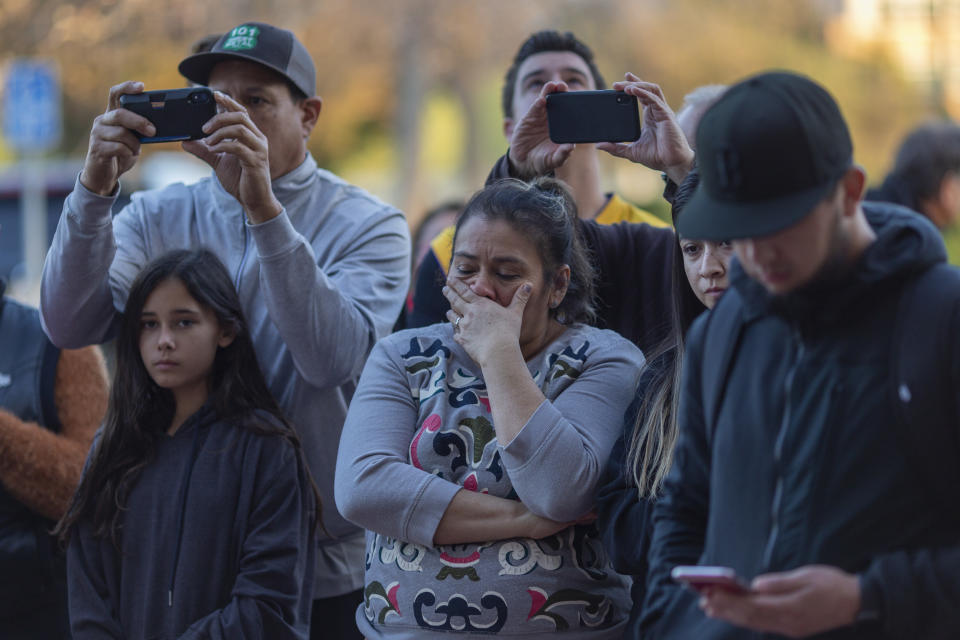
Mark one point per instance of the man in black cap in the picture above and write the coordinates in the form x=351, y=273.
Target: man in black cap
x=815, y=461
x=321, y=266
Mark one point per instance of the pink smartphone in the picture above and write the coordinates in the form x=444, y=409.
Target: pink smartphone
x=697, y=577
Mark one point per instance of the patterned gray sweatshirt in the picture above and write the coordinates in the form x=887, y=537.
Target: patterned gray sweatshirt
x=420, y=429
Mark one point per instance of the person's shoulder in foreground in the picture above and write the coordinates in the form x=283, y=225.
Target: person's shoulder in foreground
x=843, y=544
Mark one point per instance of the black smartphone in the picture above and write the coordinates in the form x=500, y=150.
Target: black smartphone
x=593, y=116
x=178, y=114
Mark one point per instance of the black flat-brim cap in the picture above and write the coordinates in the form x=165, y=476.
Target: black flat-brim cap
x=768, y=152
x=275, y=48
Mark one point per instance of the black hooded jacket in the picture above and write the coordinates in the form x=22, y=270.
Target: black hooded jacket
x=216, y=543
x=806, y=462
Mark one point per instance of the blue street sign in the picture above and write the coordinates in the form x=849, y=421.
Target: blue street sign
x=32, y=118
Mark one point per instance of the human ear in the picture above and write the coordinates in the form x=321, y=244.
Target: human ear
x=309, y=114
x=508, y=125
x=227, y=334
x=853, y=184
x=561, y=282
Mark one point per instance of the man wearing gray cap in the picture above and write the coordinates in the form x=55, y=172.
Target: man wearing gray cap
x=320, y=265
x=817, y=466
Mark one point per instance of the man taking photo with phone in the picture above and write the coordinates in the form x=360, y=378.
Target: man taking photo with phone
x=320, y=265
x=818, y=451
x=546, y=62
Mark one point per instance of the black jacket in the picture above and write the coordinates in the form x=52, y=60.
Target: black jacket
x=625, y=521
x=806, y=462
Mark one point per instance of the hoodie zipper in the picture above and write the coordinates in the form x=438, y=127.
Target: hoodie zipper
x=778, y=452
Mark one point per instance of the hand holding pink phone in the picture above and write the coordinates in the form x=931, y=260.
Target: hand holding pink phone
x=699, y=577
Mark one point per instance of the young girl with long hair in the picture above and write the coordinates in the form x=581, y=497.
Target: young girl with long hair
x=195, y=515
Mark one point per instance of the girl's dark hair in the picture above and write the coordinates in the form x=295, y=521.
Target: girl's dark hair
x=650, y=453
x=140, y=412
x=544, y=211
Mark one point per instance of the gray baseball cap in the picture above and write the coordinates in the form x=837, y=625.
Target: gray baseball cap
x=275, y=48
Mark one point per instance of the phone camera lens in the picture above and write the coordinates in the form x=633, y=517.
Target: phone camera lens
x=199, y=98
x=621, y=99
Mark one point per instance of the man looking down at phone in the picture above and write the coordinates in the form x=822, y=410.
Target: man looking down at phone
x=817, y=455
x=543, y=58
x=320, y=265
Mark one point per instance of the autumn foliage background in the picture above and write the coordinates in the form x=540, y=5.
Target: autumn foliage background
x=411, y=88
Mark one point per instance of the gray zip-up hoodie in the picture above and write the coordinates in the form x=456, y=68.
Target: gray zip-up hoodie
x=319, y=284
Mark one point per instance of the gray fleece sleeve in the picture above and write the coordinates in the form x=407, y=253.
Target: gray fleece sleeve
x=376, y=487
x=556, y=460
x=76, y=302
x=331, y=317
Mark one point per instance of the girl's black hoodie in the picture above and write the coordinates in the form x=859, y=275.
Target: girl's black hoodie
x=216, y=542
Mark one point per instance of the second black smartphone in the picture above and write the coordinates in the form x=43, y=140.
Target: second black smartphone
x=593, y=116
x=178, y=114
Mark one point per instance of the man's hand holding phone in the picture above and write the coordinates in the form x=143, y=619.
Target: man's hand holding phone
x=234, y=147
x=702, y=579
x=114, y=146
x=532, y=153
x=798, y=603
x=662, y=145
x=238, y=152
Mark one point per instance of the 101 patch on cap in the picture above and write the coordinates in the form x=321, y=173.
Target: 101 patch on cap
x=242, y=38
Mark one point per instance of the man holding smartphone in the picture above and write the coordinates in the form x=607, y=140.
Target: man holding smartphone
x=817, y=454
x=560, y=61
x=321, y=266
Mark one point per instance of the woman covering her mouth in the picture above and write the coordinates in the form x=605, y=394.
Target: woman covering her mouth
x=472, y=448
